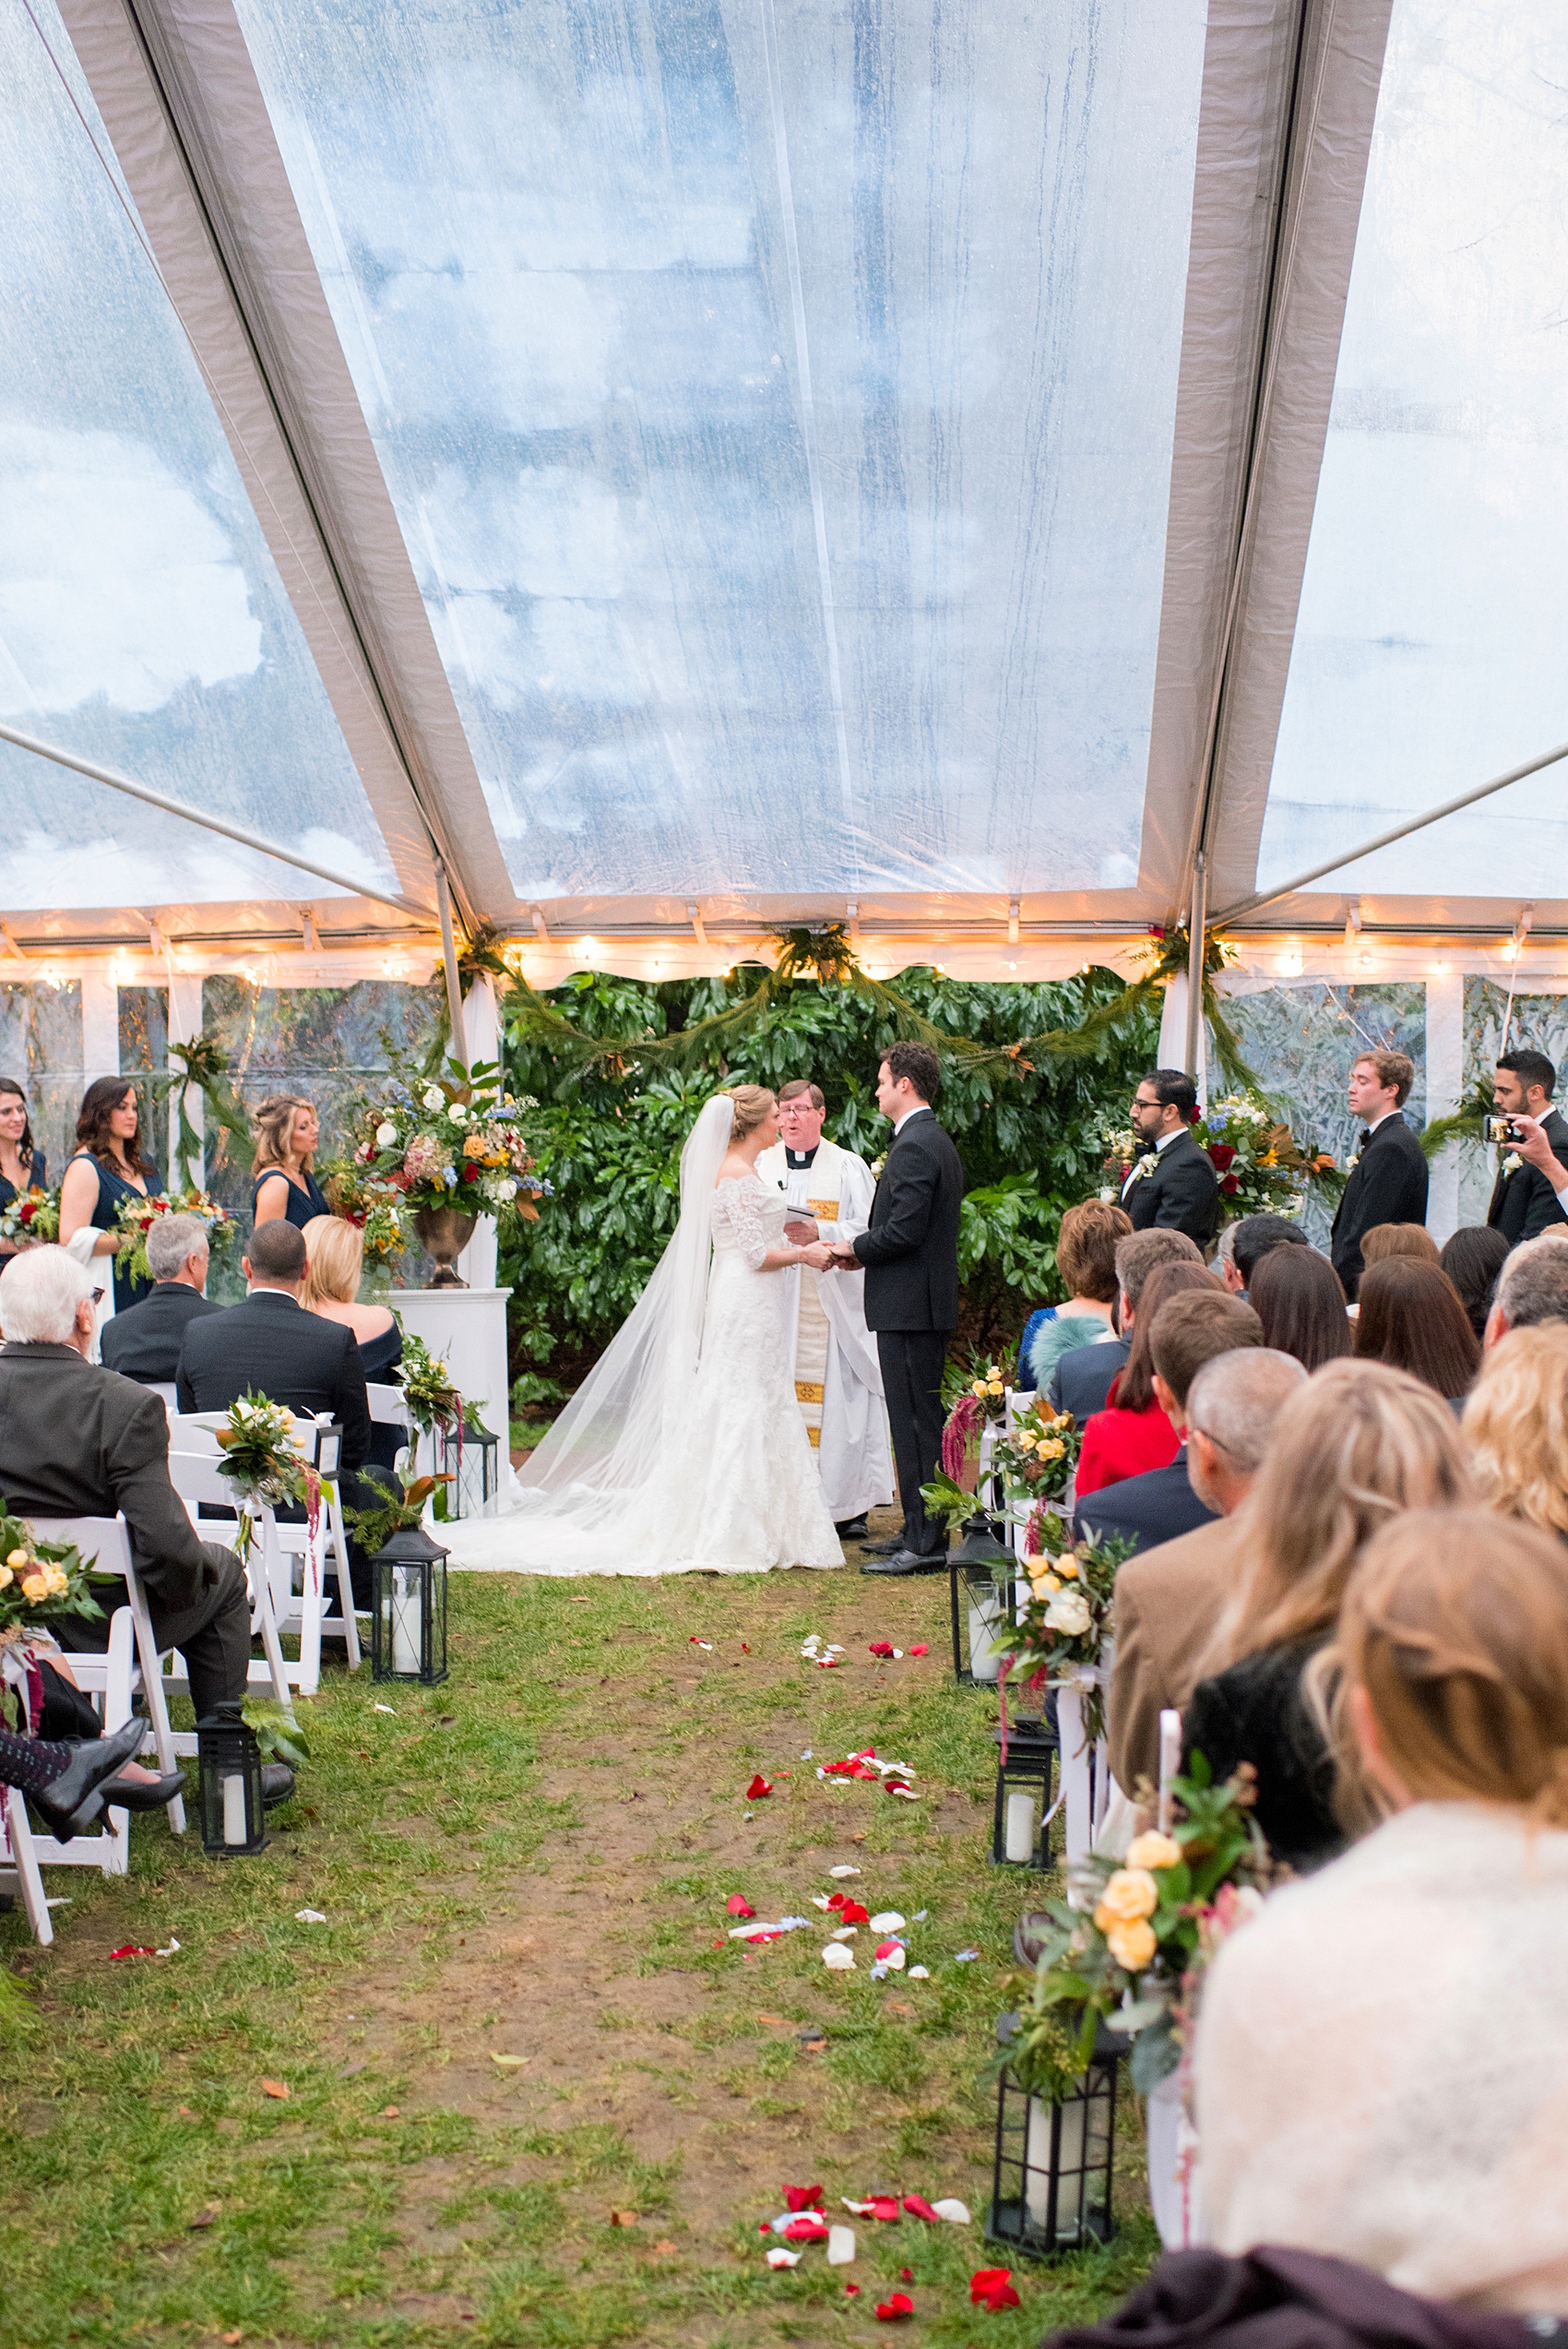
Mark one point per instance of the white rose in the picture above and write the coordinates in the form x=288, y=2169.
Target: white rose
x=458, y=1116
x=434, y=1097
x=386, y=1134
x=1069, y=1611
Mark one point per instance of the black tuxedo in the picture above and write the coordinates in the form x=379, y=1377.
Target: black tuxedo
x=79, y=1441
x=911, y=1253
x=1081, y=1380
x=271, y=1346
x=144, y=1342
x=1181, y=1195
x=1145, y=1510
x=1524, y=1203
x=1387, y=1185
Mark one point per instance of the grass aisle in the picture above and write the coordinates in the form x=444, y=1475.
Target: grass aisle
x=533, y=1862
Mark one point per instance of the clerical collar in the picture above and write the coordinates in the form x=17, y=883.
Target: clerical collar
x=801, y=1157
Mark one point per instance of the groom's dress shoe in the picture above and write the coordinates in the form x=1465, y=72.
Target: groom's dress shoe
x=908, y=1562
x=73, y=1800
x=883, y=1549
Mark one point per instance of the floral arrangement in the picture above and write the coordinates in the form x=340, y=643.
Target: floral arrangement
x=1037, y=1456
x=1131, y=1942
x=1119, y=1149
x=976, y=1398
x=456, y=1142
x=433, y=1401
x=136, y=1217
x=261, y=1454
x=31, y=1215
x=402, y=1509
x=1061, y=1628
x=40, y=1583
x=375, y=1204
x=1259, y=1163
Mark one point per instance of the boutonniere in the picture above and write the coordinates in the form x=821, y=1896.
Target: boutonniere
x=1352, y=1162
x=877, y=1164
x=1513, y=1163
x=1147, y=1165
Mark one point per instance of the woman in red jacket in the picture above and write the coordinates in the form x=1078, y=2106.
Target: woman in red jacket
x=1131, y=1435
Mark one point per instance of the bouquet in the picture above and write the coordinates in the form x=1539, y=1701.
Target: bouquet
x=262, y=1457
x=1130, y=1943
x=1260, y=1165
x=136, y=1217
x=434, y=1402
x=451, y=1142
x=1061, y=1629
x=1037, y=1456
x=31, y=1215
x=40, y=1583
x=375, y=1204
x=1120, y=1151
x=976, y=1398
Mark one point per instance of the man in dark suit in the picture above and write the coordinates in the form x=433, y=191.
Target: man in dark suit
x=910, y=1255
x=1082, y=1379
x=1189, y=1330
x=79, y=1441
x=144, y=1343
x=1388, y=1172
x=1523, y=1200
x=1173, y=1184
x=270, y=1345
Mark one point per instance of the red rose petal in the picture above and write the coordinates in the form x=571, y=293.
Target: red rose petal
x=922, y=1651
x=803, y=2198
x=905, y=2275
x=884, y=2207
x=805, y=2229
x=993, y=2288
x=738, y=1905
x=891, y=2310
x=851, y=2291
x=757, y=1789
x=853, y=1914
x=881, y=1648
x=918, y=2208
x=837, y=1900
x=132, y=1950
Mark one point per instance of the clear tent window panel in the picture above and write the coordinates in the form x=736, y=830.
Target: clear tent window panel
x=143, y=625
x=1428, y=651
x=777, y=402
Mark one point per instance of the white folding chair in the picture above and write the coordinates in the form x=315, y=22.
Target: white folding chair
x=108, y=1677
x=196, y=1479
x=105, y=1543
x=389, y=1408
x=166, y=1389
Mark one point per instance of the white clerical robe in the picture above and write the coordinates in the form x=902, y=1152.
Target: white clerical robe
x=833, y=1355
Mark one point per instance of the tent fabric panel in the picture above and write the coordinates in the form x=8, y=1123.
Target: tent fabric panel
x=142, y=620
x=707, y=631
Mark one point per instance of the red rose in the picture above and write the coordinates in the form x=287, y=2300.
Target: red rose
x=1221, y=1153
x=26, y=1212
x=470, y=1172
x=1230, y=1186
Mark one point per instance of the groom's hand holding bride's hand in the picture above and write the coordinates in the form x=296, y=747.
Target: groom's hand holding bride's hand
x=819, y=1256
x=844, y=1260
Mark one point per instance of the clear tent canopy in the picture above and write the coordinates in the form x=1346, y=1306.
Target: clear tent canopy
x=668, y=469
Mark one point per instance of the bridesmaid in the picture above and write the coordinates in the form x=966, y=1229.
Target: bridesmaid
x=286, y=1133
x=107, y=1166
x=22, y=1164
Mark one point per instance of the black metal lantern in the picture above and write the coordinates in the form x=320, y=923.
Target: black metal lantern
x=1021, y=1833
x=983, y=1608
x=1051, y=2183
x=471, y=1457
x=234, y=1823
x=407, y=1622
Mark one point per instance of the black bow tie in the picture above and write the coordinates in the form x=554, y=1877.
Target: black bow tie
x=1364, y=1138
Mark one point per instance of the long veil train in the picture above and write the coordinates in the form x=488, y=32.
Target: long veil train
x=588, y=1491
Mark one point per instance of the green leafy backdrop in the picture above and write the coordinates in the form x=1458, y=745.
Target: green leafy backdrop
x=612, y=1130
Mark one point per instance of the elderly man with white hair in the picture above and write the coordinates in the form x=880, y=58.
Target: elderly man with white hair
x=1531, y=1287
x=77, y=1441
x=144, y=1342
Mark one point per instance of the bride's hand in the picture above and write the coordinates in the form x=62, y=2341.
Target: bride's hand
x=819, y=1256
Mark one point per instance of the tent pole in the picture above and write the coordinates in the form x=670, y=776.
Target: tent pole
x=151, y=798
x=1396, y=832
x=1196, y=939
x=449, y=962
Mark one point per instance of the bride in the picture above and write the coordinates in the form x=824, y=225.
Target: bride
x=684, y=1448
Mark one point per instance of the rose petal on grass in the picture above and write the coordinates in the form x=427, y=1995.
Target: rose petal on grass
x=508, y=2063
x=853, y=1914
x=779, y=2257
x=841, y=2246
x=391, y=1709
x=844, y=1933
x=821, y=1900
x=842, y=1960
x=276, y=2088
x=881, y=1648
x=807, y=2228
x=993, y=2288
x=917, y=1974
x=842, y=1870
x=905, y=2275
x=696, y=1643
x=918, y=2208
x=887, y=1921
x=803, y=2198
x=851, y=2291
x=891, y=1953
x=962, y=1957
x=891, y=2310
x=738, y=1905
x=922, y=1649
x=956, y=2212
x=310, y=1916
x=758, y=1788
x=132, y=1950
x=884, y=2207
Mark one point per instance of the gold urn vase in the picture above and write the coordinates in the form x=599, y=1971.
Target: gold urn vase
x=443, y=1233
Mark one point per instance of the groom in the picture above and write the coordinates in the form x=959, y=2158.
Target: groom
x=910, y=1255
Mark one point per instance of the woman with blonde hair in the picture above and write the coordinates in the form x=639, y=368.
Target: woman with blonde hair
x=1516, y=1425
x=1358, y=1445
x=335, y=1260
x=684, y=1449
x=286, y=1133
x=1382, y=2061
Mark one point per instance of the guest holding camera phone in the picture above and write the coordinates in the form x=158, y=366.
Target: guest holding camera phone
x=1525, y=1199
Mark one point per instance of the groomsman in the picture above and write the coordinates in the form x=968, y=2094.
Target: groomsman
x=1172, y=1184
x=833, y=1355
x=1389, y=1171
x=910, y=1255
x=1523, y=1200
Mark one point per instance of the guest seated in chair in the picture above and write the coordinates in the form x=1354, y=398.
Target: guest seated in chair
x=1085, y=1257
x=1083, y=1378
x=77, y=1441
x=335, y=1250
x=144, y=1343
x=1382, y=2058
x=1133, y=1435
x=1191, y=1328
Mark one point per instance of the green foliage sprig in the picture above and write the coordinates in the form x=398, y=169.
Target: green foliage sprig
x=402, y=1509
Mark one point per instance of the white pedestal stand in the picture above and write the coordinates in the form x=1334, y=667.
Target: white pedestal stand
x=467, y=1330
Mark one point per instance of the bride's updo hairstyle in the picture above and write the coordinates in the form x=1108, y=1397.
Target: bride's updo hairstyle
x=751, y=1105
x=1455, y=1624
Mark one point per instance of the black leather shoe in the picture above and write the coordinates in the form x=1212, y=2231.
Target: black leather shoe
x=144, y=1793
x=73, y=1800
x=277, y=1785
x=884, y=1549
x=908, y=1562
x=852, y=1529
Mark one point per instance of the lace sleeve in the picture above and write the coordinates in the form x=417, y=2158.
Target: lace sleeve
x=741, y=1209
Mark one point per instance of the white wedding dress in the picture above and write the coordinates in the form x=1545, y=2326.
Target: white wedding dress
x=684, y=1451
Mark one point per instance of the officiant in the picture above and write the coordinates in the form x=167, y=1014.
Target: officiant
x=836, y=1375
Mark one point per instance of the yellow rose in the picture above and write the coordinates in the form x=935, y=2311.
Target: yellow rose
x=34, y=1587
x=1153, y=1851
x=979, y=1389
x=1043, y=1583
x=6, y=1577
x=473, y=1145
x=1068, y=1566
x=993, y=1386
x=1132, y=1944
x=59, y=1581
x=17, y=1560
x=1131, y=1893
x=1050, y=1447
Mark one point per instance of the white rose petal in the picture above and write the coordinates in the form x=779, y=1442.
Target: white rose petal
x=888, y=1922
x=779, y=2257
x=841, y=2246
x=841, y=1960
x=953, y=2211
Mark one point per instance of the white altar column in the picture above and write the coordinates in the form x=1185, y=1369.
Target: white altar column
x=1445, y=1085
x=467, y=1330
x=185, y=1026
x=100, y=1026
